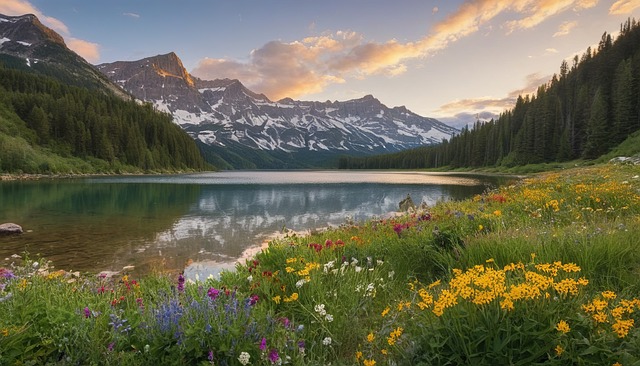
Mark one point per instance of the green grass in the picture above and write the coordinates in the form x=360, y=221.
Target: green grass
x=546, y=271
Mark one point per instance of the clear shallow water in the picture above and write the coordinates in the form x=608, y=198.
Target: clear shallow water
x=201, y=223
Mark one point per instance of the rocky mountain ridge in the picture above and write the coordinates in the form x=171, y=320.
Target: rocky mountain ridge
x=224, y=112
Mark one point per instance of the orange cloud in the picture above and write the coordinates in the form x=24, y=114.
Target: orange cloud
x=274, y=68
x=565, y=28
x=624, y=7
x=494, y=105
x=88, y=50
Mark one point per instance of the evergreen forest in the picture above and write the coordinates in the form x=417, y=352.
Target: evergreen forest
x=590, y=107
x=47, y=126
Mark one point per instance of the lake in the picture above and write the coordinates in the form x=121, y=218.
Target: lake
x=201, y=223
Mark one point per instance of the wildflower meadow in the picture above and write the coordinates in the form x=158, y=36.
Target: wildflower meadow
x=544, y=271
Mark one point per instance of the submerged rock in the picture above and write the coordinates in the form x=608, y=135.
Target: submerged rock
x=10, y=229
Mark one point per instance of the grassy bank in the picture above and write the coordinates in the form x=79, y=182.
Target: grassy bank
x=543, y=272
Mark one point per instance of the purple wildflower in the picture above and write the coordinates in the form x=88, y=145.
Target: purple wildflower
x=274, y=356
x=180, y=283
x=263, y=344
x=253, y=299
x=111, y=346
x=6, y=273
x=301, y=343
x=87, y=312
x=210, y=356
x=213, y=293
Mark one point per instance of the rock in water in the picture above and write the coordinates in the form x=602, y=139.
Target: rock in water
x=407, y=204
x=10, y=229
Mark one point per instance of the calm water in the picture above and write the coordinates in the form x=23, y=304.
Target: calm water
x=201, y=223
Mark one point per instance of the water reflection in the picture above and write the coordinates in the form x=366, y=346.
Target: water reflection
x=207, y=220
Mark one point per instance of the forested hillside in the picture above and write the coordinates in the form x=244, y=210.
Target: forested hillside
x=50, y=127
x=589, y=107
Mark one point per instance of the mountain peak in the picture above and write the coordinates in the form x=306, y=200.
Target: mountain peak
x=27, y=29
x=170, y=65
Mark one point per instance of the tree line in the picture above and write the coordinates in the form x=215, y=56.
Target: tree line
x=88, y=123
x=589, y=107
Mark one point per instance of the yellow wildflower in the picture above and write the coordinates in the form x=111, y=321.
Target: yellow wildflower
x=358, y=355
x=497, y=213
x=370, y=337
x=622, y=327
x=276, y=299
x=289, y=269
x=609, y=295
x=559, y=350
x=384, y=351
x=369, y=362
x=292, y=260
x=600, y=317
x=5, y=332
x=293, y=297
x=433, y=284
x=385, y=311
x=563, y=327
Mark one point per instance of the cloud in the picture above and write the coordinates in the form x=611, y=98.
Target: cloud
x=565, y=28
x=624, y=7
x=494, y=106
x=131, y=15
x=538, y=11
x=88, y=50
x=434, y=10
x=275, y=67
x=464, y=119
x=551, y=50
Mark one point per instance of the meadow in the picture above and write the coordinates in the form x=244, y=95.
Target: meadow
x=545, y=271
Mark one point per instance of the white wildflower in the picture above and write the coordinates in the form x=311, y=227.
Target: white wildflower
x=391, y=274
x=320, y=309
x=328, y=318
x=250, y=278
x=301, y=282
x=326, y=341
x=358, y=269
x=244, y=358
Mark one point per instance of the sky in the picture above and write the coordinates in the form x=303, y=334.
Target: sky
x=453, y=60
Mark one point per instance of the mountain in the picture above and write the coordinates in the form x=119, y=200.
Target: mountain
x=59, y=114
x=26, y=44
x=227, y=118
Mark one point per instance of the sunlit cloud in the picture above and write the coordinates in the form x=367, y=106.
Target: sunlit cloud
x=491, y=105
x=334, y=58
x=88, y=50
x=538, y=11
x=131, y=15
x=434, y=10
x=624, y=7
x=565, y=28
x=551, y=50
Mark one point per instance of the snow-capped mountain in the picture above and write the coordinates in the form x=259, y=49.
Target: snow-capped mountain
x=224, y=113
x=26, y=43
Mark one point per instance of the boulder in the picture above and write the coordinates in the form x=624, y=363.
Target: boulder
x=632, y=160
x=407, y=204
x=10, y=229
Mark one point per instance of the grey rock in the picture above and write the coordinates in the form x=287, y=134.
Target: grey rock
x=10, y=229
